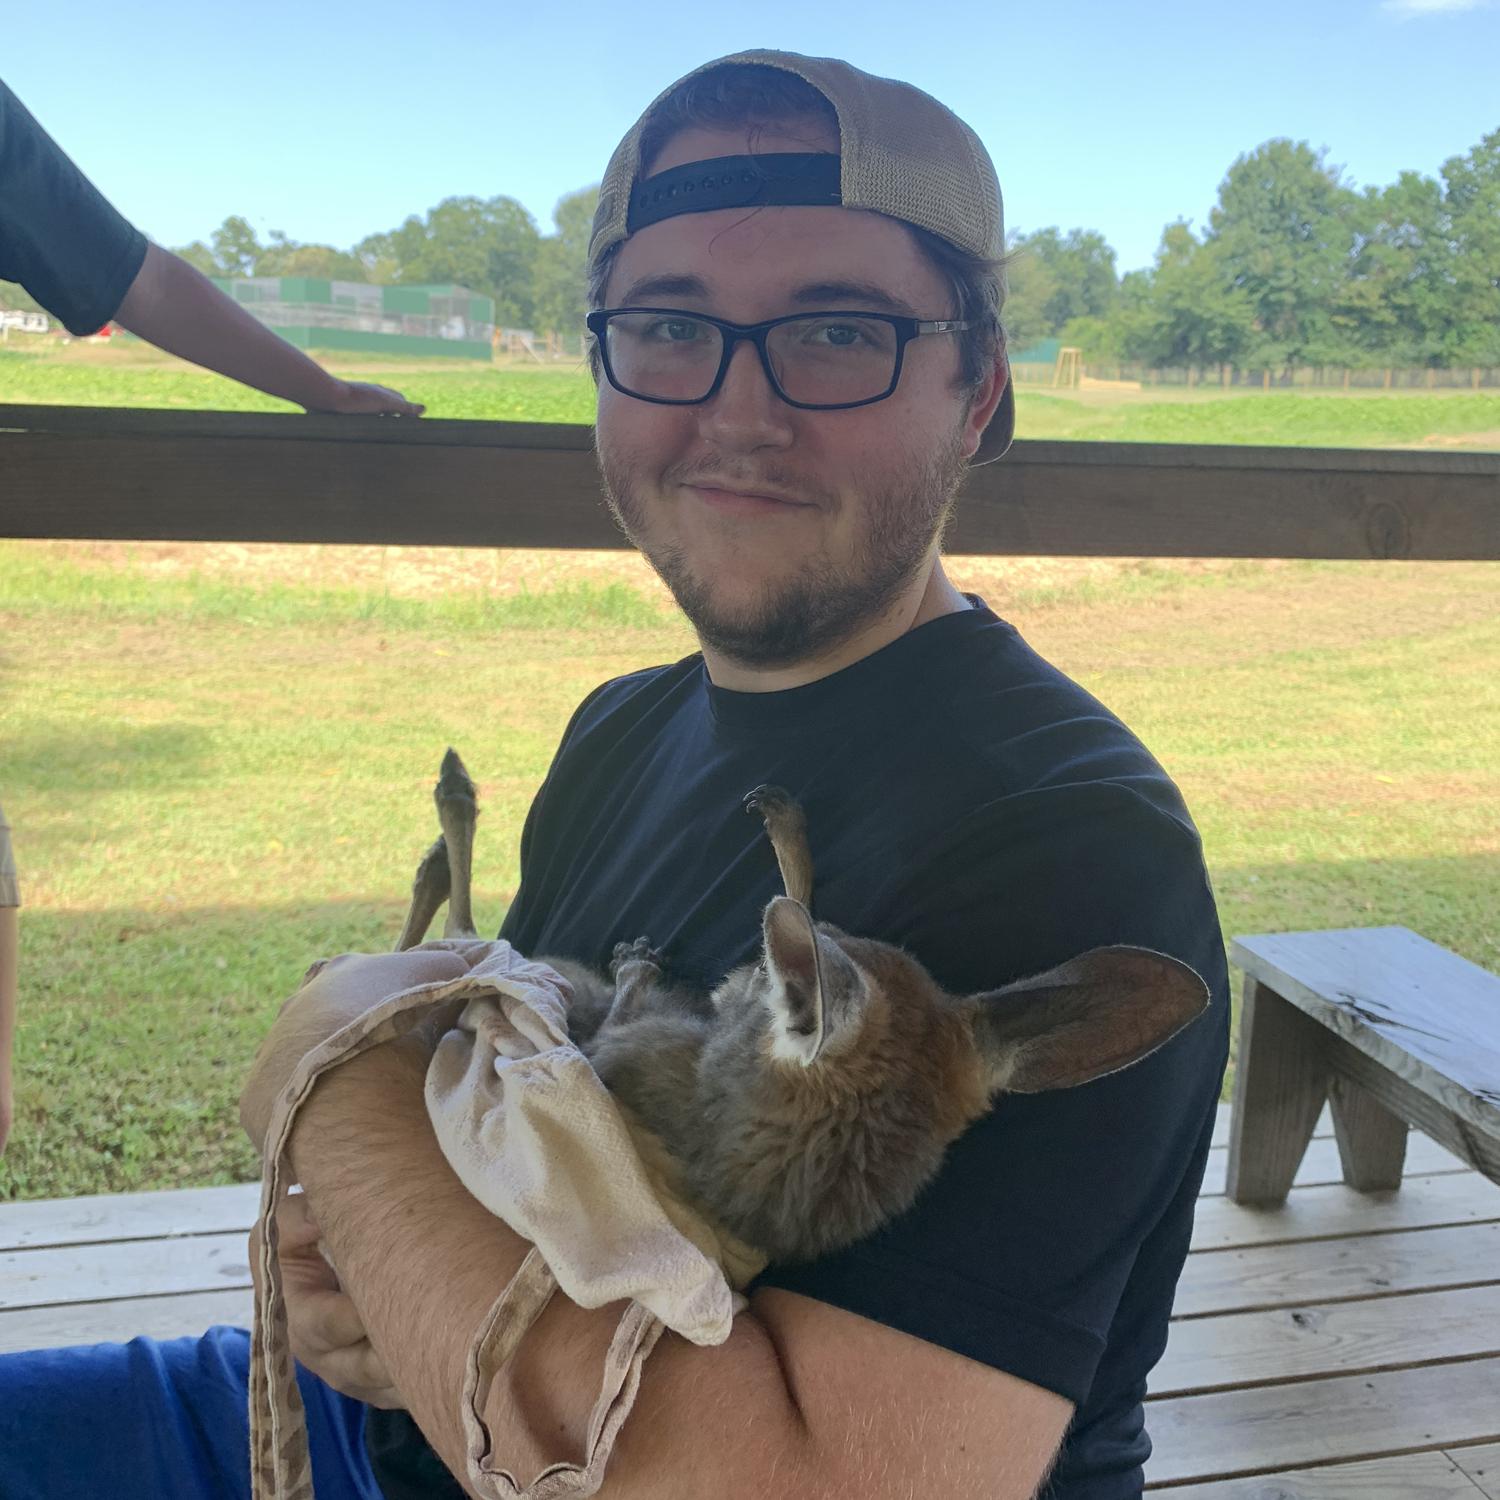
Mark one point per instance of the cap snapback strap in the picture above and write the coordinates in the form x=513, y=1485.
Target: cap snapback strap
x=784, y=178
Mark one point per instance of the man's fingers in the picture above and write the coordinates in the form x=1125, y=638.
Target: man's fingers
x=298, y=1229
x=323, y=1322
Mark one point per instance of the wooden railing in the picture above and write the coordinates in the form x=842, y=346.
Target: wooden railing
x=208, y=476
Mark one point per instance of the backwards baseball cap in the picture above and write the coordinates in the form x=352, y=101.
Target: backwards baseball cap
x=901, y=154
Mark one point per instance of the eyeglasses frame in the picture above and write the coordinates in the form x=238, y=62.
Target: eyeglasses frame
x=906, y=329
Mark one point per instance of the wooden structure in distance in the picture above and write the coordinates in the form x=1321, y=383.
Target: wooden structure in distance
x=105, y=473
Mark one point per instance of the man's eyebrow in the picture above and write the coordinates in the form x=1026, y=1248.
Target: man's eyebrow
x=813, y=294
x=821, y=293
x=664, y=286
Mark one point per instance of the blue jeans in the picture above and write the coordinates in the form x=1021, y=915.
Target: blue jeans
x=157, y=1421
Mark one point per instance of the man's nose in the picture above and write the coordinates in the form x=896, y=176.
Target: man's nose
x=745, y=412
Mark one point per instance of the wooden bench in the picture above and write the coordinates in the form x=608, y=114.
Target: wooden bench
x=1389, y=1029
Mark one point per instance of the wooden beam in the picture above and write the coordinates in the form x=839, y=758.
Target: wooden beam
x=212, y=476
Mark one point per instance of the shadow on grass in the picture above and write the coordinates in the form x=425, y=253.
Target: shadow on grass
x=99, y=760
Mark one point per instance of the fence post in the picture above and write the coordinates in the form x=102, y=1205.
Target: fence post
x=1346, y=377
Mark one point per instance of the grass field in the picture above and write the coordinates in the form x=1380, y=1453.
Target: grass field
x=217, y=759
x=130, y=375
x=218, y=764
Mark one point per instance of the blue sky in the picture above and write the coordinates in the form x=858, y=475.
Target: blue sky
x=329, y=121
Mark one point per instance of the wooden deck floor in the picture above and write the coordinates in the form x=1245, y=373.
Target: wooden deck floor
x=1344, y=1347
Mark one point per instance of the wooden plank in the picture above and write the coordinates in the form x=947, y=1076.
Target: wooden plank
x=118, y=1322
x=1318, y=1271
x=1424, y=1158
x=128, y=1216
x=139, y=1268
x=1416, y=1476
x=1419, y=1011
x=1352, y=1417
x=1279, y=1344
x=1372, y=1139
x=1482, y=1465
x=1334, y=1210
x=208, y=476
x=1281, y=1087
x=1432, y=1113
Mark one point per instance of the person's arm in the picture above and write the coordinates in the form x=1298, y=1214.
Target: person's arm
x=177, y=308
x=9, y=947
x=802, y=1400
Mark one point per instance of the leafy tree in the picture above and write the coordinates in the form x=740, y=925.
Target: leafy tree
x=1055, y=278
x=1030, y=285
x=486, y=244
x=561, y=285
x=1198, y=314
x=1397, y=298
x=236, y=249
x=285, y=257
x=1473, y=203
x=1285, y=232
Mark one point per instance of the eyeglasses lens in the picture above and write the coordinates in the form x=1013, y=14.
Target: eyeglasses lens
x=819, y=360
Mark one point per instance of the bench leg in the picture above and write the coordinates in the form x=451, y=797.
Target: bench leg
x=1372, y=1141
x=1281, y=1083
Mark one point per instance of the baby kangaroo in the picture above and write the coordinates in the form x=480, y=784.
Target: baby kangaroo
x=810, y=1097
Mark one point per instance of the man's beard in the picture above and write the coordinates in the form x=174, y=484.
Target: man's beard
x=822, y=604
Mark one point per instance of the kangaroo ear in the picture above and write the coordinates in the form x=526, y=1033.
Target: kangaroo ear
x=814, y=989
x=1091, y=1016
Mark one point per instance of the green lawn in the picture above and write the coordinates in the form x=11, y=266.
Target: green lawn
x=213, y=780
x=86, y=376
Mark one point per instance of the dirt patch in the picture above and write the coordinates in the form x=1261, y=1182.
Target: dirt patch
x=1489, y=439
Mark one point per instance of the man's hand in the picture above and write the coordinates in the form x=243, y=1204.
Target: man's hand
x=335, y=992
x=327, y=1332
x=354, y=398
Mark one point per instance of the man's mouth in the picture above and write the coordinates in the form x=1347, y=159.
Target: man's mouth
x=745, y=502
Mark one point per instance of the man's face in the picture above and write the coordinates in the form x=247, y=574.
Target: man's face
x=837, y=511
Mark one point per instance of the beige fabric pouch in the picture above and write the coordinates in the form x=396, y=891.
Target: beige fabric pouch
x=534, y=1136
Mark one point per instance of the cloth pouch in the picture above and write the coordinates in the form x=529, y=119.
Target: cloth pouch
x=536, y=1137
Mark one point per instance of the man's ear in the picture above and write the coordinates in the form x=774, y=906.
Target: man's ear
x=815, y=992
x=1090, y=1016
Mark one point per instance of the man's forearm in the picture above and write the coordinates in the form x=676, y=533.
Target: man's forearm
x=424, y=1262
x=177, y=308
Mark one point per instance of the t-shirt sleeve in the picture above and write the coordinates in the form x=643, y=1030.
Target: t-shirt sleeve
x=1016, y=1255
x=59, y=237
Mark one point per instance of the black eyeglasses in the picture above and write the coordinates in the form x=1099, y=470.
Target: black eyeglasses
x=820, y=361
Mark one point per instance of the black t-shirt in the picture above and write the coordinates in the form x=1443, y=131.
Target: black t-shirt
x=59, y=237
x=966, y=800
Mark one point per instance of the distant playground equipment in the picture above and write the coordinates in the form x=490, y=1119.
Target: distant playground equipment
x=544, y=348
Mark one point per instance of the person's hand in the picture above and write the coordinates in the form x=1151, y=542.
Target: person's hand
x=353, y=398
x=335, y=992
x=326, y=1331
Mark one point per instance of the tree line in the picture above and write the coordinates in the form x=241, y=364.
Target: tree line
x=490, y=245
x=1295, y=267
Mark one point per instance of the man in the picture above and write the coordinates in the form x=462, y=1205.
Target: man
x=789, y=399
x=70, y=249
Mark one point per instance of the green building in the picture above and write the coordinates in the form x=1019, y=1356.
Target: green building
x=353, y=315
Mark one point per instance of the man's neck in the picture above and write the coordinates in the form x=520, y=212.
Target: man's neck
x=929, y=596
